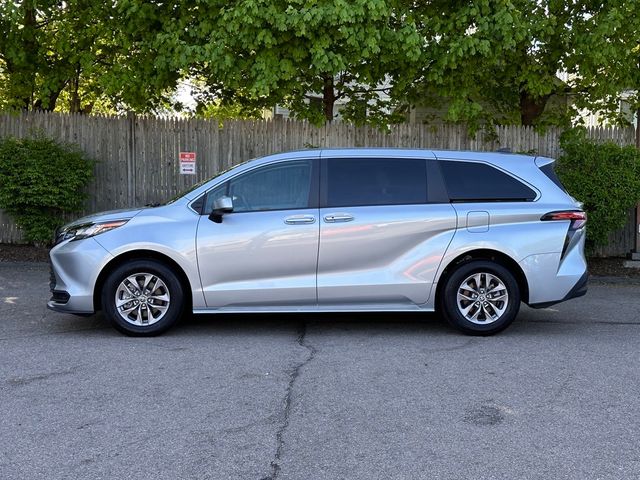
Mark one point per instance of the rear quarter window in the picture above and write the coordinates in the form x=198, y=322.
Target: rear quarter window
x=550, y=172
x=479, y=182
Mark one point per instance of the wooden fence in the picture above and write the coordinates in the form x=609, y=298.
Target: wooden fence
x=138, y=156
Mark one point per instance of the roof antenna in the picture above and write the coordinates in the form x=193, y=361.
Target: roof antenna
x=504, y=150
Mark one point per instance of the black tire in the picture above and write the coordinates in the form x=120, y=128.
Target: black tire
x=448, y=301
x=174, y=289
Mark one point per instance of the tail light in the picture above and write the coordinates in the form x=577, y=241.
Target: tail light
x=578, y=219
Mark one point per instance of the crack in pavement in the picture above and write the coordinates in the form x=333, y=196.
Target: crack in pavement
x=293, y=376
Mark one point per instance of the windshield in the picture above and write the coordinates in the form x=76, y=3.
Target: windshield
x=199, y=184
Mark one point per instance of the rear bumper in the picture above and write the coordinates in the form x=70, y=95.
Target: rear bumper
x=553, y=278
x=578, y=290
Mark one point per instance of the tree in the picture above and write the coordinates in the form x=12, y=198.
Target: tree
x=263, y=53
x=487, y=60
x=283, y=51
x=74, y=56
x=20, y=54
x=608, y=66
x=36, y=53
x=499, y=59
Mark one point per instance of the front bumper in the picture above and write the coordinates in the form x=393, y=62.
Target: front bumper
x=75, y=266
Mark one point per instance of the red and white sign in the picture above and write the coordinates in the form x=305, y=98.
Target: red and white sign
x=187, y=163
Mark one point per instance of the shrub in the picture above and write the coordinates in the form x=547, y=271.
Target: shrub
x=41, y=180
x=605, y=177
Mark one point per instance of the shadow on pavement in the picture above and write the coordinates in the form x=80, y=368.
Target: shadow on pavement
x=529, y=322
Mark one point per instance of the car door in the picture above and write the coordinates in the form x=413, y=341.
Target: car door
x=265, y=252
x=383, y=232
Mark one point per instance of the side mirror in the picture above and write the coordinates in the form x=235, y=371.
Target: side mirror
x=221, y=206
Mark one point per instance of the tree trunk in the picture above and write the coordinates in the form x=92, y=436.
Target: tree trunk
x=48, y=104
x=88, y=108
x=30, y=50
x=531, y=107
x=74, y=103
x=328, y=98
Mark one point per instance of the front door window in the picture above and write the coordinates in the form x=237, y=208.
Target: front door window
x=285, y=186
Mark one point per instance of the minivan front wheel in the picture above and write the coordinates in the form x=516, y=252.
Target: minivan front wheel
x=142, y=297
x=480, y=297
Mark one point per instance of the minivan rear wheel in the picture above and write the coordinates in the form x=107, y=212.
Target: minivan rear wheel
x=480, y=297
x=142, y=298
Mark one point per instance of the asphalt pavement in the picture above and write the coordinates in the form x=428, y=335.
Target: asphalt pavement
x=331, y=396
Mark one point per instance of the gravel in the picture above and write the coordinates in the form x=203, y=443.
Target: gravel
x=23, y=253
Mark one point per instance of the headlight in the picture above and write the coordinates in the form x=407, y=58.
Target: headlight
x=76, y=232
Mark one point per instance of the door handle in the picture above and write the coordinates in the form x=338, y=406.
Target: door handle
x=338, y=217
x=299, y=219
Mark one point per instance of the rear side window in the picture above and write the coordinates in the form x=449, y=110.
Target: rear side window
x=375, y=181
x=479, y=182
x=549, y=171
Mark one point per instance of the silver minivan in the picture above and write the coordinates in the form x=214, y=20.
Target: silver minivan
x=467, y=234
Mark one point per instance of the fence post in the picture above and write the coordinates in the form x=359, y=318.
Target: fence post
x=131, y=160
x=635, y=254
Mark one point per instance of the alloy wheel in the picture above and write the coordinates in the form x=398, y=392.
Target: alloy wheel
x=482, y=298
x=142, y=299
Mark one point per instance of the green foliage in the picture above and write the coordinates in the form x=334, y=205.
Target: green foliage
x=483, y=62
x=497, y=61
x=229, y=110
x=41, y=180
x=288, y=52
x=75, y=56
x=607, y=68
x=605, y=177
